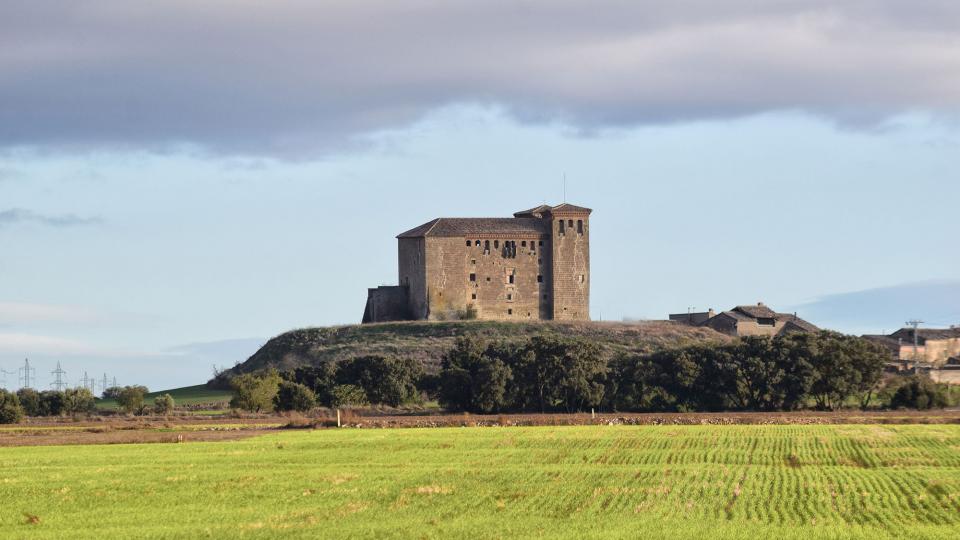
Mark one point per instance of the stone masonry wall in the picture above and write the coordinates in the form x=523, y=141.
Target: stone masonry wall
x=571, y=267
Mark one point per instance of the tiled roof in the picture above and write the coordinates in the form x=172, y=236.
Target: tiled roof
x=927, y=333
x=893, y=345
x=536, y=211
x=790, y=318
x=757, y=312
x=566, y=207
x=462, y=227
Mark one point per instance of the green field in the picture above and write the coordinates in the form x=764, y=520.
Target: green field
x=188, y=395
x=863, y=481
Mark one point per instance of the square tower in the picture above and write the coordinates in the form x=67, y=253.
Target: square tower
x=570, y=262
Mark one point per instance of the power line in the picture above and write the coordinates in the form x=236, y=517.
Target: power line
x=914, y=323
x=58, y=384
x=28, y=374
x=3, y=377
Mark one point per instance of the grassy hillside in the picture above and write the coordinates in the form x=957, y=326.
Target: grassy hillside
x=429, y=341
x=188, y=395
x=744, y=482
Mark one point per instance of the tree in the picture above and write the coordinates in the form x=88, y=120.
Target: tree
x=845, y=366
x=919, y=393
x=52, y=403
x=385, y=380
x=163, y=404
x=293, y=396
x=320, y=379
x=348, y=395
x=130, y=399
x=78, y=401
x=112, y=393
x=29, y=401
x=254, y=392
x=10, y=410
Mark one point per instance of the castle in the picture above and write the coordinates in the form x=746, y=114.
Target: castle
x=533, y=266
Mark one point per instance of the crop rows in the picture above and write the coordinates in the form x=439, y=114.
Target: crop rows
x=863, y=481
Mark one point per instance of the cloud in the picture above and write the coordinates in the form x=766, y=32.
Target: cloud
x=27, y=313
x=298, y=76
x=14, y=216
x=937, y=302
x=28, y=344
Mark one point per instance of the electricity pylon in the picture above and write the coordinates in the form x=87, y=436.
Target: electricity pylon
x=58, y=384
x=28, y=375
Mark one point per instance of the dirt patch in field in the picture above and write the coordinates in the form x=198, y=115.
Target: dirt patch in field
x=128, y=436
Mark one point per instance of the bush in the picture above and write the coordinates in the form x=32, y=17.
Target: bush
x=163, y=404
x=52, y=403
x=29, y=401
x=320, y=379
x=78, y=401
x=293, y=396
x=130, y=399
x=348, y=395
x=10, y=410
x=920, y=393
x=385, y=380
x=112, y=393
x=254, y=393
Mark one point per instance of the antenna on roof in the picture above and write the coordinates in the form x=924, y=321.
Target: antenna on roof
x=564, y=188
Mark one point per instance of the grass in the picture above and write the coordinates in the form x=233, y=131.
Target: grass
x=188, y=395
x=863, y=481
x=427, y=342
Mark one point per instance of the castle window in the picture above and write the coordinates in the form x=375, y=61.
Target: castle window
x=540, y=278
x=473, y=296
x=473, y=277
x=563, y=230
x=579, y=226
x=510, y=278
x=570, y=223
x=580, y=278
x=509, y=297
x=478, y=243
x=540, y=243
x=473, y=261
x=496, y=244
x=486, y=247
x=468, y=243
x=488, y=279
x=523, y=243
x=509, y=312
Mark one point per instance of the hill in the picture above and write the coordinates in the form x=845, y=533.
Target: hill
x=429, y=341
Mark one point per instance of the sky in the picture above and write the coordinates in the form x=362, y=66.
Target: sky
x=183, y=180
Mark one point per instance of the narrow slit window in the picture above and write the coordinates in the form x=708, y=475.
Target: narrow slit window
x=540, y=278
x=468, y=243
x=563, y=229
x=570, y=223
x=579, y=226
x=473, y=277
x=509, y=312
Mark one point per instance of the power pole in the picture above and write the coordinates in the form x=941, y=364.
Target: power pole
x=86, y=382
x=28, y=374
x=105, y=383
x=114, y=382
x=58, y=384
x=914, y=323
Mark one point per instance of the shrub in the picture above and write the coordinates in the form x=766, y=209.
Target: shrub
x=10, y=410
x=130, y=399
x=387, y=380
x=29, y=401
x=52, y=403
x=112, y=393
x=254, y=393
x=919, y=393
x=348, y=395
x=293, y=396
x=163, y=404
x=78, y=401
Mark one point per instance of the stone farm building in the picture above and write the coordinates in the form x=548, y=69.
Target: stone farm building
x=533, y=266
x=758, y=320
